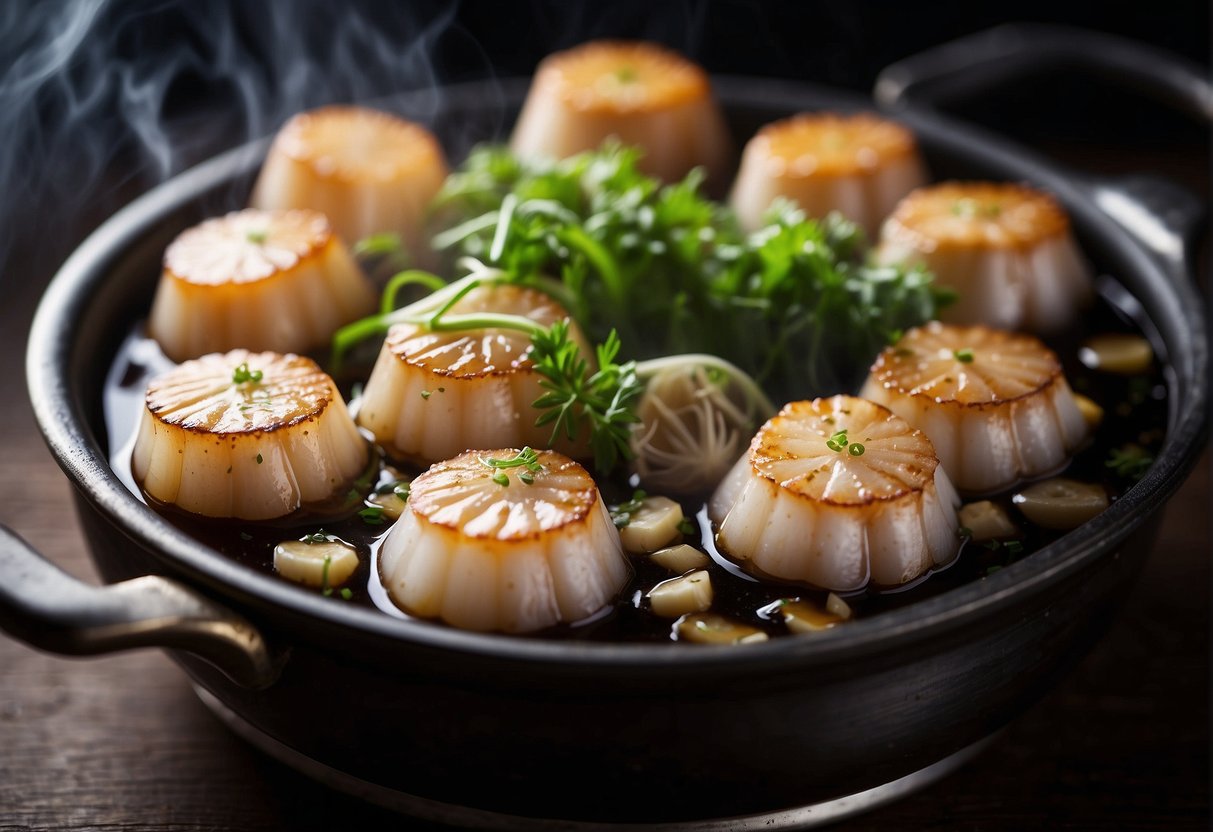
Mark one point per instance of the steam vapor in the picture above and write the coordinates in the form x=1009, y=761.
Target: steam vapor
x=100, y=96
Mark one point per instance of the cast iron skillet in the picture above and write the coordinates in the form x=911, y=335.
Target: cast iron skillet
x=505, y=732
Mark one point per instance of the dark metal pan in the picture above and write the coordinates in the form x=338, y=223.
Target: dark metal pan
x=507, y=732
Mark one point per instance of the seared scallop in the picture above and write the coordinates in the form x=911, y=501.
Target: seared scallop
x=432, y=395
x=248, y=435
x=367, y=170
x=509, y=540
x=261, y=280
x=860, y=165
x=1006, y=249
x=995, y=404
x=641, y=93
x=835, y=493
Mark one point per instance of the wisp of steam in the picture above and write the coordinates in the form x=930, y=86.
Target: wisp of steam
x=104, y=95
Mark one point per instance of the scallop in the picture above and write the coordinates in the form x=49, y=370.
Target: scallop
x=836, y=493
x=433, y=395
x=995, y=404
x=640, y=93
x=507, y=540
x=253, y=436
x=258, y=280
x=860, y=165
x=367, y=170
x=1006, y=249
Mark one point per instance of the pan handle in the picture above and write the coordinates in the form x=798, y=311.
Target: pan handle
x=48, y=609
x=1165, y=217
x=995, y=57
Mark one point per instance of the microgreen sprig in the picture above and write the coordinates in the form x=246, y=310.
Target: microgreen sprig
x=242, y=374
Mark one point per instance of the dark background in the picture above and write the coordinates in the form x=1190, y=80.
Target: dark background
x=101, y=100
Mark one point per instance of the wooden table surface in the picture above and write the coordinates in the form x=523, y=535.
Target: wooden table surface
x=122, y=743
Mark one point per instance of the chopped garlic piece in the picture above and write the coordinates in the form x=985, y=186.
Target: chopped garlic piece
x=680, y=559
x=390, y=502
x=653, y=525
x=298, y=560
x=836, y=606
x=1117, y=353
x=1061, y=503
x=681, y=596
x=987, y=521
x=709, y=628
x=806, y=617
x=1092, y=413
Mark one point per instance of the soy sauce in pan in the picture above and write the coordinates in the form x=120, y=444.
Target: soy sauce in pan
x=1135, y=413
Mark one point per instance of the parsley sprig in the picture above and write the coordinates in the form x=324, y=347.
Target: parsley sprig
x=794, y=304
x=603, y=400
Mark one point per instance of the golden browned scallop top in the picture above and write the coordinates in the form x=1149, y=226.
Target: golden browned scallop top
x=246, y=247
x=358, y=144
x=482, y=352
x=831, y=144
x=203, y=395
x=462, y=496
x=610, y=77
x=966, y=366
x=794, y=451
x=994, y=215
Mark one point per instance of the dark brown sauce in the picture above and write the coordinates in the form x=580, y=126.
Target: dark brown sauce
x=1135, y=412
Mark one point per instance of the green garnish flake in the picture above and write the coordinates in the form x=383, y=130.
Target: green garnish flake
x=626, y=75
x=1014, y=547
x=316, y=537
x=621, y=514
x=385, y=242
x=576, y=397
x=964, y=531
x=260, y=459
x=855, y=449
x=257, y=236
x=501, y=478
x=686, y=527
x=839, y=443
x=964, y=356
x=243, y=375
x=325, y=589
x=372, y=515
x=1129, y=461
x=346, y=594
x=527, y=458
x=527, y=478
x=402, y=490
x=425, y=394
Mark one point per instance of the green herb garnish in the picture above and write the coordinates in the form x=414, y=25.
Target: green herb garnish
x=260, y=459
x=257, y=237
x=242, y=374
x=425, y=394
x=855, y=449
x=346, y=594
x=795, y=305
x=621, y=514
x=686, y=527
x=1129, y=461
x=575, y=397
x=526, y=458
x=325, y=589
x=372, y=515
x=316, y=537
x=964, y=356
x=501, y=478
